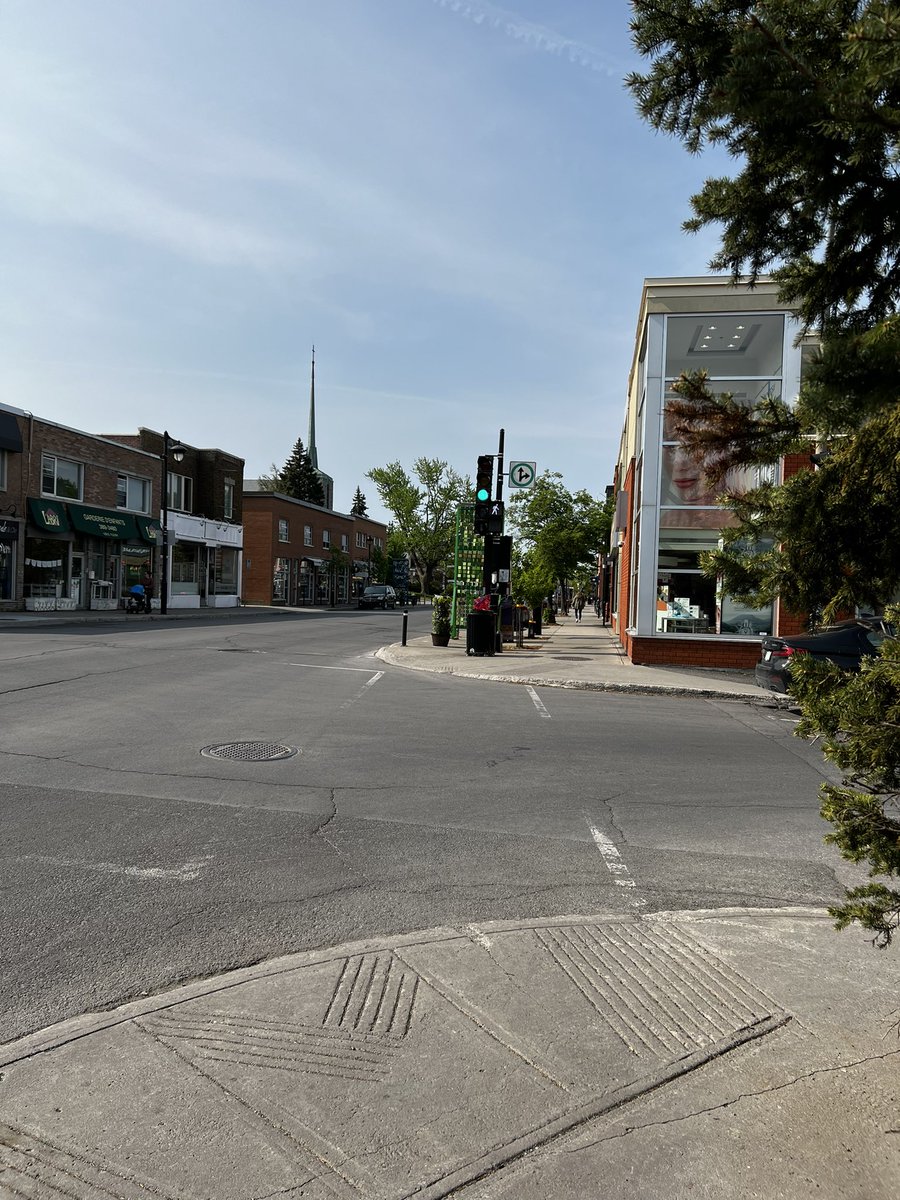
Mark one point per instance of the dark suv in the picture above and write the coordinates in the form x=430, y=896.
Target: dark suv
x=846, y=643
x=378, y=595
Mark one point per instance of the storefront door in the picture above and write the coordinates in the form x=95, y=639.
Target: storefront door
x=76, y=587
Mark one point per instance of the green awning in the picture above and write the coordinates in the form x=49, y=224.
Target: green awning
x=149, y=530
x=102, y=522
x=49, y=515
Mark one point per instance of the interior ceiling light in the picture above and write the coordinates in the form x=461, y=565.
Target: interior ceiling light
x=707, y=340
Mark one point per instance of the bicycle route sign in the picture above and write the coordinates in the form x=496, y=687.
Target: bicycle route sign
x=521, y=474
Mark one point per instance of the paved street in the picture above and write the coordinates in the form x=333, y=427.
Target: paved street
x=484, y=812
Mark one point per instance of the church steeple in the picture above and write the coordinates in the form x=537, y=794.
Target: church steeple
x=311, y=436
x=312, y=452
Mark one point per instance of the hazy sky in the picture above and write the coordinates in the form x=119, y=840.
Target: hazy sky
x=454, y=200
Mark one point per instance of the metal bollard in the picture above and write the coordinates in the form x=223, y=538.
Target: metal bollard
x=405, y=622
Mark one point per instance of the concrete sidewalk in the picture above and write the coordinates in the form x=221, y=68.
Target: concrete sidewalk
x=737, y=1054
x=574, y=654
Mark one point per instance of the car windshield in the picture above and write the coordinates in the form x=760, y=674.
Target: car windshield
x=376, y=591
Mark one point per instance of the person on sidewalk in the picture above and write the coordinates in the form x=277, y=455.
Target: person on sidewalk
x=147, y=584
x=579, y=605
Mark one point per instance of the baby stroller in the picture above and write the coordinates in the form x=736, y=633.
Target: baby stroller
x=134, y=602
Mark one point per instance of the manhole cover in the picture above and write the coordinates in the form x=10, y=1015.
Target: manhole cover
x=249, y=751
x=571, y=658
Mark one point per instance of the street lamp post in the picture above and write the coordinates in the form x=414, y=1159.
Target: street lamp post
x=369, y=541
x=177, y=452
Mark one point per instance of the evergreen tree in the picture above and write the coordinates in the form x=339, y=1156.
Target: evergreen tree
x=299, y=479
x=805, y=94
x=359, y=507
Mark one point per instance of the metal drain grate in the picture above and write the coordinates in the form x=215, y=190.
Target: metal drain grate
x=249, y=751
x=571, y=658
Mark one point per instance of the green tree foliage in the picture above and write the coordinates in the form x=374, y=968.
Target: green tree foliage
x=298, y=477
x=424, y=510
x=805, y=95
x=359, y=508
x=561, y=531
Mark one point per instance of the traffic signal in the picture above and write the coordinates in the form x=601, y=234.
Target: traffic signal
x=484, y=479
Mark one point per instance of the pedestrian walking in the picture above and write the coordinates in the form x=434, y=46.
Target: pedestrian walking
x=579, y=604
x=147, y=584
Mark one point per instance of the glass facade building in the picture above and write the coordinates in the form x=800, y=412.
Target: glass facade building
x=750, y=347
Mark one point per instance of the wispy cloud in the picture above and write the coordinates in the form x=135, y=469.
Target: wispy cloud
x=540, y=37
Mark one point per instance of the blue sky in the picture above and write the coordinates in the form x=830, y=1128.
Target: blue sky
x=454, y=200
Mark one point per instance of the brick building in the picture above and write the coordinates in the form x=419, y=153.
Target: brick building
x=297, y=553
x=204, y=520
x=78, y=515
x=663, y=608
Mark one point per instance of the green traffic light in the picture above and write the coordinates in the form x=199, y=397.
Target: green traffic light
x=482, y=494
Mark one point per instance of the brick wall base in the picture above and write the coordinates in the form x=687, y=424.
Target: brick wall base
x=683, y=651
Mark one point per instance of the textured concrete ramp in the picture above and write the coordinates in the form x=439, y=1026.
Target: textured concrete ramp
x=411, y=1067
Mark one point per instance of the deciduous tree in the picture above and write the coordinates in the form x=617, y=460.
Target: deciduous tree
x=424, y=512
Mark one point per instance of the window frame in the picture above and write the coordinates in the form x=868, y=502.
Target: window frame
x=175, y=492
x=284, y=529
x=228, y=499
x=148, y=492
x=47, y=456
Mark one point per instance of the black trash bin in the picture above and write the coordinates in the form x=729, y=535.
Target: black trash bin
x=480, y=633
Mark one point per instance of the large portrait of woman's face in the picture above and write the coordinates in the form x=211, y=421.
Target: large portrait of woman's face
x=686, y=499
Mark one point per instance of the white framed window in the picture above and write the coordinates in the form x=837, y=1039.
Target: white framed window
x=345, y=542
x=307, y=535
x=181, y=493
x=360, y=540
x=284, y=530
x=379, y=545
x=133, y=493
x=61, y=477
x=326, y=538
x=228, y=502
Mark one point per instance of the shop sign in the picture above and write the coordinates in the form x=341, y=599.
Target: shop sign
x=49, y=515
x=150, y=531
x=10, y=530
x=102, y=522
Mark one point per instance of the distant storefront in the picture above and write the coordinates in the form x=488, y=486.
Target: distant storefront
x=205, y=562
x=80, y=556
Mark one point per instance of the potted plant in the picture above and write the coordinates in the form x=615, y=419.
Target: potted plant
x=440, y=621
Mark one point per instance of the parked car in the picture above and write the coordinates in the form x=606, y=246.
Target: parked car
x=846, y=643
x=378, y=595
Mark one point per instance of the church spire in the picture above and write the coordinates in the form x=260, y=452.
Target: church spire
x=311, y=436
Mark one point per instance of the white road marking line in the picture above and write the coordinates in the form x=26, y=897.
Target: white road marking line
x=319, y=667
x=362, y=691
x=538, y=703
x=622, y=877
x=183, y=874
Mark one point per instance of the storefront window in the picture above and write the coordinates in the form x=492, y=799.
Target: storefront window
x=685, y=602
x=185, y=569
x=226, y=570
x=7, y=568
x=279, y=579
x=45, y=567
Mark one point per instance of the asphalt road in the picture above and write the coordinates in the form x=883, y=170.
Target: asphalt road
x=129, y=861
